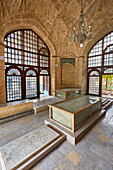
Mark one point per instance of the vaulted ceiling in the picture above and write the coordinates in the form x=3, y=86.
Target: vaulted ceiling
x=57, y=16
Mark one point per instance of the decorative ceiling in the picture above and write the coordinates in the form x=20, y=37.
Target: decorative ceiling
x=48, y=11
x=57, y=16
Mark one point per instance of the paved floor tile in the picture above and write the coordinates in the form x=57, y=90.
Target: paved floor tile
x=103, y=138
x=74, y=157
x=2, y=135
x=56, y=168
x=96, y=129
x=35, y=125
x=65, y=148
x=103, y=165
x=66, y=165
x=35, y=168
x=46, y=164
x=56, y=156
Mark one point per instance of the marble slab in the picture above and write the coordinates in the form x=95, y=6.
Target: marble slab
x=15, y=152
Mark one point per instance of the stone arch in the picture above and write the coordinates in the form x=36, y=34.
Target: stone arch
x=12, y=25
x=21, y=22
x=97, y=36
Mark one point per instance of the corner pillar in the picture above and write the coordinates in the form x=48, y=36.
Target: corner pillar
x=2, y=76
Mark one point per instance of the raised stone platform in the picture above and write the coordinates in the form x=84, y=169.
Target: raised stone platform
x=17, y=152
x=13, y=108
x=73, y=138
x=42, y=103
x=106, y=103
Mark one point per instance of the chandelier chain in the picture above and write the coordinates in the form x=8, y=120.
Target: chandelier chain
x=82, y=34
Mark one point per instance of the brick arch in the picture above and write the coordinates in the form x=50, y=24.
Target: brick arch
x=67, y=75
x=22, y=22
x=97, y=35
x=37, y=27
x=104, y=30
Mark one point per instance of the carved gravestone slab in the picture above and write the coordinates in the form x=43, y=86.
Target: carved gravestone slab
x=19, y=150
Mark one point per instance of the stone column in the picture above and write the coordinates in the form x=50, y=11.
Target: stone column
x=52, y=68
x=84, y=75
x=57, y=73
x=2, y=76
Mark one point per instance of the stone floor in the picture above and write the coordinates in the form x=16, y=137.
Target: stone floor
x=93, y=152
x=45, y=101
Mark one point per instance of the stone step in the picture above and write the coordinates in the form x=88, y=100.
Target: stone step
x=24, y=152
x=105, y=102
x=16, y=116
x=106, y=106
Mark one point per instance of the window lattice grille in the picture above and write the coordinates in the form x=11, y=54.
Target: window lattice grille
x=31, y=87
x=94, y=85
x=24, y=47
x=30, y=73
x=101, y=58
x=102, y=55
x=25, y=50
x=13, y=85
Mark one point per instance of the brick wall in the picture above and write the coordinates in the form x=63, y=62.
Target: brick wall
x=2, y=76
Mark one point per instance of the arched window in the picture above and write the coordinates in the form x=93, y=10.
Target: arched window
x=94, y=82
x=108, y=55
x=101, y=58
x=26, y=50
x=14, y=91
x=44, y=72
x=44, y=83
x=108, y=71
x=94, y=74
x=31, y=84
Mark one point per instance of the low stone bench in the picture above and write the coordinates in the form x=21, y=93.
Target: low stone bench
x=9, y=111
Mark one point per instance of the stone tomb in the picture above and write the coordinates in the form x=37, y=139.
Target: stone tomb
x=67, y=93
x=17, y=152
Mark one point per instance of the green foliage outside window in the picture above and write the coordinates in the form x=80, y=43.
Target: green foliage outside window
x=107, y=82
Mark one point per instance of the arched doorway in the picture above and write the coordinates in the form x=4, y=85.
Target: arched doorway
x=26, y=51
x=44, y=83
x=100, y=58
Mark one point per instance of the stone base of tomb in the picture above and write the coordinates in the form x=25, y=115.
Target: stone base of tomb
x=73, y=138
